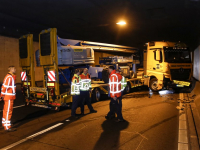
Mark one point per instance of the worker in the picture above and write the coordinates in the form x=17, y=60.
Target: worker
x=85, y=91
x=75, y=91
x=123, y=86
x=8, y=94
x=115, y=94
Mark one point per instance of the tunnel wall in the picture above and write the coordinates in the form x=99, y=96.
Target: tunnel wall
x=196, y=63
x=196, y=94
x=9, y=55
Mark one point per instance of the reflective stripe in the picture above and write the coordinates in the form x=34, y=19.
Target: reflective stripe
x=7, y=121
x=7, y=93
x=8, y=86
x=6, y=125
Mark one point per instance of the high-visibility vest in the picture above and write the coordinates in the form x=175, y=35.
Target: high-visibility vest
x=75, y=85
x=85, y=82
x=115, y=84
x=8, y=89
x=123, y=83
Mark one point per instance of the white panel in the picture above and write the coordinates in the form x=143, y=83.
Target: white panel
x=196, y=65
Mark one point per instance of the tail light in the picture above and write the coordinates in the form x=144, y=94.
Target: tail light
x=52, y=92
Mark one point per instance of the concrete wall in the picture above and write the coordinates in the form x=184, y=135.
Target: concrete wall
x=9, y=55
x=196, y=64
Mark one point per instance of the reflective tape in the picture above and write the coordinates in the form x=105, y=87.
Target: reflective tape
x=51, y=75
x=23, y=76
x=7, y=93
x=113, y=84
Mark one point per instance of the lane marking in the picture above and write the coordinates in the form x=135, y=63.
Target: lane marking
x=31, y=137
x=19, y=106
x=182, y=132
x=15, y=107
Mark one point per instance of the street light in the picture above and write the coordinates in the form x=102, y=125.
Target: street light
x=121, y=23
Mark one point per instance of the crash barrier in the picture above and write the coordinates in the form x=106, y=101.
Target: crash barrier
x=195, y=94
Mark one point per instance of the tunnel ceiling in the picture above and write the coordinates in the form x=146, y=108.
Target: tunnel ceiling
x=95, y=20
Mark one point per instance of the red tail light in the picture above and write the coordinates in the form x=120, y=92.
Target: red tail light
x=52, y=92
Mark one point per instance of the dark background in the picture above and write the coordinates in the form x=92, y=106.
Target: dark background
x=95, y=20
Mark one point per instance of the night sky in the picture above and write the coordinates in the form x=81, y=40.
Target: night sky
x=95, y=20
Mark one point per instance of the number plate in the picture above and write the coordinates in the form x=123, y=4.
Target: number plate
x=182, y=83
x=37, y=89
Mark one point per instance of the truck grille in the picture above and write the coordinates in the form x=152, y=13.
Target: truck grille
x=23, y=48
x=180, y=74
x=45, y=44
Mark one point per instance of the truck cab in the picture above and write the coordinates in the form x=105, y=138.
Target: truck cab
x=168, y=64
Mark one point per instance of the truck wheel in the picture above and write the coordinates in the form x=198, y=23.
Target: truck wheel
x=96, y=95
x=153, y=85
x=128, y=88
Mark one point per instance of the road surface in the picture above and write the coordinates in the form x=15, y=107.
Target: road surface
x=151, y=124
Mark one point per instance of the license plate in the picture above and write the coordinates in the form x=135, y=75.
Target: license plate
x=182, y=83
x=42, y=106
x=37, y=89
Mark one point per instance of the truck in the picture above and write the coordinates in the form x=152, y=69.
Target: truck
x=59, y=58
x=167, y=65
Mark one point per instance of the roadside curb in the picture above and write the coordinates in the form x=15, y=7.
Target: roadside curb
x=193, y=123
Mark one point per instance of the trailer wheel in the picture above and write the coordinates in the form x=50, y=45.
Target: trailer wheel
x=96, y=95
x=128, y=88
x=153, y=85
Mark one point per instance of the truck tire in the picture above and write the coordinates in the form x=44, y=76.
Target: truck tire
x=128, y=88
x=96, y=95
x=153, y=85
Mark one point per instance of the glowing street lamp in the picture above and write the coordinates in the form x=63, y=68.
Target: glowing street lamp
x=121, y=23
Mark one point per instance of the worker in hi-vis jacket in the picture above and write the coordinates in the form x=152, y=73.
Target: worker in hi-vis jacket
x=85, y=89
x=75, y=91
x=8, y=95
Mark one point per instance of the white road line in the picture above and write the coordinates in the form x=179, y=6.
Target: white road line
x=15, y=107
x=182, y=132
x=30, y=137
x=18, y=106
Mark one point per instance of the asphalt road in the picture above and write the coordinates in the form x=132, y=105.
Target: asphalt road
x=151, y=124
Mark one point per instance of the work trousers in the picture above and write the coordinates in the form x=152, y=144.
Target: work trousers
x=116, y=107
x=85, y=97
x=7, y=114
x=76, y=102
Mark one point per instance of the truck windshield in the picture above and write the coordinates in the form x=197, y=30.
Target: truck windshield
x=177, y=55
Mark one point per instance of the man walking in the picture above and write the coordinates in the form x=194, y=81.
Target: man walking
x=8, y=94
x=115, y=94
x=85, y=90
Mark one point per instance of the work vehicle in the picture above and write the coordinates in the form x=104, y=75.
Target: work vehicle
x=59, y=58
x=26, y=55
x=167, y=64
